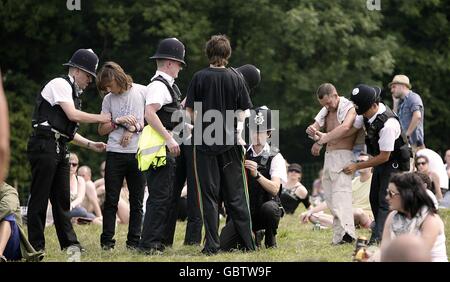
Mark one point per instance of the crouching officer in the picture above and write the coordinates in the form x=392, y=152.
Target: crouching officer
x=55, y=122
x=266, y=168
x=387, y=144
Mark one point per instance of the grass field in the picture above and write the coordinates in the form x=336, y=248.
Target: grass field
x=296, y=242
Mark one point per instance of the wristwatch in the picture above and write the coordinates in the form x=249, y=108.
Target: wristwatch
x=258, y=175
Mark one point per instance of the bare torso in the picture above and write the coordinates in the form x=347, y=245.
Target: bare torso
x=344, y=143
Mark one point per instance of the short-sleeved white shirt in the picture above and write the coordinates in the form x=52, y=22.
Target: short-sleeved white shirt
x=58, y=90
x=389, y=133
x=157, y=92
x=277, y=166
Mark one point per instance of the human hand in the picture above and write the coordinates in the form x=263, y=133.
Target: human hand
x=304, y=217
x=173, y=146
x=126, y=138
x=315, y=149
x=252, y=167
x=311, y=131
x=130, y=119
x=97, y=146
x=104, y=117
x=350, y=169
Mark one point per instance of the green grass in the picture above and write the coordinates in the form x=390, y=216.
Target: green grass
x=296, y=242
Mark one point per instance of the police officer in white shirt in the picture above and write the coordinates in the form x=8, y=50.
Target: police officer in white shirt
x=266, y=169
x=55, y=122
x=387, y=144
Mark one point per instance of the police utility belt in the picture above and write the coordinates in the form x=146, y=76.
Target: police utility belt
x=47, y=131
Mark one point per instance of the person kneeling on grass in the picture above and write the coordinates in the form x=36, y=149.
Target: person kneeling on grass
x=266, y=168
x=13, y=241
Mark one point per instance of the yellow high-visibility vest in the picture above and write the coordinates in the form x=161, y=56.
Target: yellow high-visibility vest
x=151, y=149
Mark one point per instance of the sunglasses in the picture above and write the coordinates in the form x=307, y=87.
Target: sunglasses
x=392, y=193
x=74, y=164
x=421, y=163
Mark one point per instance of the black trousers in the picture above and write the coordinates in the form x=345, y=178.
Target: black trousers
x=380, y=207
x=120, y=166
x=266, y=218
x=223, y=176
x=160, y=182
x=185, y=172
x=50, y=179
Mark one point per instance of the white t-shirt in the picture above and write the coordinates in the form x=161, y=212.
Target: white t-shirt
x=58, y=90
x=388, y=134
x=277, y=166
x=157, y=92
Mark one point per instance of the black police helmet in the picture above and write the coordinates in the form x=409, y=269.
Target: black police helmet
x=252, y=75
x=170, y=48
x=364, y=96
x=84, y=59
x=260, y=119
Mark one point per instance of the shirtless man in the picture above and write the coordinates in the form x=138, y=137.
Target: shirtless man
x=336, y=117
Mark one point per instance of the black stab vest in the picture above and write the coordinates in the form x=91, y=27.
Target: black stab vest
x=166, y=111
x=55, y=115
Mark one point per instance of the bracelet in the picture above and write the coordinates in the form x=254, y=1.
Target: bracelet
x=113, y=124
x=258, y=176
x=89, y=144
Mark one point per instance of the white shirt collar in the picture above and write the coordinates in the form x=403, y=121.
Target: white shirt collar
x=381, y=109
x=167, y=77
x=266, y=148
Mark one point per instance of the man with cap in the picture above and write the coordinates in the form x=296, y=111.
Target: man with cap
x=386, y=143
x=55, y=121
x=219, y=159
x=162, y=99
x=409, y=108
x=336, y=117
x=266, y=169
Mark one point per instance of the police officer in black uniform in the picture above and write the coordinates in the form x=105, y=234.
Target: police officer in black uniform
x=163, y=99
x=55, y=121
x=387, y=144
x=266, y=169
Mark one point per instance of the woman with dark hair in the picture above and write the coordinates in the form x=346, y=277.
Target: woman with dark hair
x=413, y=212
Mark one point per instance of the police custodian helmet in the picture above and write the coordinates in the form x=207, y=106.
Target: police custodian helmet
x=363, y=96
x=170, y=48
x=260, y=119
x=252, y=75
x=84, y=59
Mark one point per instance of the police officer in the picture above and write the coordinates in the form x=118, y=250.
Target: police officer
x=162, y=99
x=387, y=144
x=55, y=121
x=266, y=168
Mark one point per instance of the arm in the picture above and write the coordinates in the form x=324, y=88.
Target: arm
x=154, y=121
x=270, y=185
x=311, y=130
x=416, y=117
x=430, y=230
x=301, y=192
x=377, y=160
x=437, y=185
x=106, y=128
x=86, y=143
x=340, y=130
x=386, y=237
x=305, y=216
x=81, y=191
x=9, y=203
x=4, y=134
x=79, y=116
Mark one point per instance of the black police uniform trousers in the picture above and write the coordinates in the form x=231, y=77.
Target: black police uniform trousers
x=378, y=186
x=50, y=179
x=160, y=182
x=266, y=218
x=218, y=176
x=185, y=172
x=120, y=166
